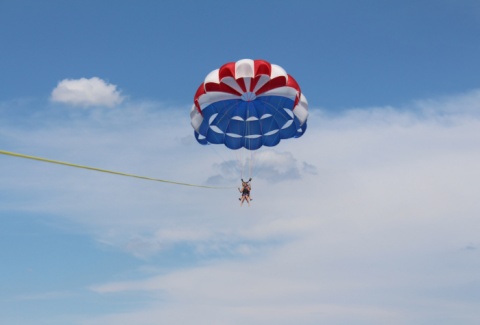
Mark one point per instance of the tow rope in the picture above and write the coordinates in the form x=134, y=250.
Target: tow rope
x=105, y=171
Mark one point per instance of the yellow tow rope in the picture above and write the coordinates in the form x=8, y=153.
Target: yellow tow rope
x=104, y=170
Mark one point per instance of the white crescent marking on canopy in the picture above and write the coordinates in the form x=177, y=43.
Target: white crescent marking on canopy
x=271, y=132
x=253, y=136
x=286, y=125
x=289, y=112
x=212, y=118
x=215, y=129
x=233, y=135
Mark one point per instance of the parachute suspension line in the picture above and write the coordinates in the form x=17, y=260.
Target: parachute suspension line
x=278, y=134
x=260, y=152
x=264, y=163
x=262, y=149
x=247, y=126
x=104, y=170
x=243, y=129
x=253, y=152
x=285, y=143
x=241, y=150
x=240, y=171
x=234, y=171
x=242, y=153
x=257, y=152
x=242, y=163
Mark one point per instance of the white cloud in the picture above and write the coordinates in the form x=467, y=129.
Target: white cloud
x=87, y=92
x=388, y=223
x=272, y=165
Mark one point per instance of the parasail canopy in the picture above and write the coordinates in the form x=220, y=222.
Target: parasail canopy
x=247, y=105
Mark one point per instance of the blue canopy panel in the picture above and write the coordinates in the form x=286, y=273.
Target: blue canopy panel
x=301, y=130
x=249, y=124
x=200, y=139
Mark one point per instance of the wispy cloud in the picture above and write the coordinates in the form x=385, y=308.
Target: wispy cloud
x=373, y=226
x=272, y=165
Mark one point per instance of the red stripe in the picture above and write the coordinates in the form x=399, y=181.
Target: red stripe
x=236, y=91
x=222, y=88
x=227, y=70
x=200, y=92
x=293, y=83
x=272, y=84
x=262, y=68
x=241, y=83
x=297, y=99
x=254, y=82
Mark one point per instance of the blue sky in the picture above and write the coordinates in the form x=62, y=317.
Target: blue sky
x=370, y=218
x=344, y=53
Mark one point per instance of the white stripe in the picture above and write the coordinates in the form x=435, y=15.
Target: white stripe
x=254, y=136
x=244, y=69
x=232, y=83
x=197, y=120
x=262, y=81
x=301, y=110
x=281, y=91
x=213, y=77
x=247, y=83
x=238, y=118
x=301, y=113
x=303, y=102
x=192, y=111
x=213, y=97
x=278, y=71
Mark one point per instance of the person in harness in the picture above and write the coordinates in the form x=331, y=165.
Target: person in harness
x=245, y=190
